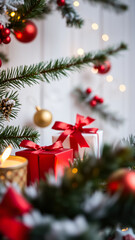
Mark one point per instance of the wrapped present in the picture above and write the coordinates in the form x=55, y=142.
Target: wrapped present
x=42, y=159
x=78, y=138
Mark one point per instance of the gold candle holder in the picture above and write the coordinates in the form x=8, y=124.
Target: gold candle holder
x=14, y=169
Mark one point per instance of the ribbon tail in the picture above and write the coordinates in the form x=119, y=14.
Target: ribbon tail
x=80, y=139
x=74, y=146
x=64, y=135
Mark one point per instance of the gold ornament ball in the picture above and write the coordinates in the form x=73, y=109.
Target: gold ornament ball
x=42, y=118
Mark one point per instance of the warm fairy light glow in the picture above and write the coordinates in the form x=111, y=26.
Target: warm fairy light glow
x=124, y=229
x=105, y=37
x=122, y=88
x=94, y=70
x=109, y=78
x=80, y=51
x=76, y=3
x=5, y=154
x=94, y=26
x=12, y=14
x=74, y=170
x=19, y=17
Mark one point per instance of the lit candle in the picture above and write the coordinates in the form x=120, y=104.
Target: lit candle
x=13, y=168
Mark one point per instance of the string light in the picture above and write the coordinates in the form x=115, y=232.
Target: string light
x=74, y=170
x=76, y=3
x=124, y=229
x=12, y=14
x=19, y=17
x=122, y=88
x=94, y=26
x=80, y=51
x=109, y=78
x=105, y=37
x=93, y=70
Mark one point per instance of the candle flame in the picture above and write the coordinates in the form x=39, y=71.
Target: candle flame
x=5, y=154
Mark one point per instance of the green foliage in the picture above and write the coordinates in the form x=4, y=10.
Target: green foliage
x=72, y=18
x=117, y=5
x=20, y=76
x=14, y=135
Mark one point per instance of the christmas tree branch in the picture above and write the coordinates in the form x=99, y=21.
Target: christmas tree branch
x=18, y=77
x=72, y=18
x=100, y=109
x=117, y=5
x=14, y=135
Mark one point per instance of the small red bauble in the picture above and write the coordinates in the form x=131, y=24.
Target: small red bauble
x=103, y=68
x=96, y=98
x=100, y=100
x=93, y=103
x=61, y=3
x=122, y=180
x=0, y=63
x=28, y=34
x=1, y=27
x=88, y=90
x=7, y=40
x=4, y=35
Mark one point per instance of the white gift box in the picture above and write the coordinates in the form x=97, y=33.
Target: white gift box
x=94, y=140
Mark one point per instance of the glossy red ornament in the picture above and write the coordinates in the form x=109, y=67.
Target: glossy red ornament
x=61, y=3
x=0, y=63
x=96, y=98
x=28, y=34
x=93, y=103
x=7, y=40
x=122, y=180
x=88, y=90
x=103, y=68
x=100, y=100
x=5, y=32
x=1, y=27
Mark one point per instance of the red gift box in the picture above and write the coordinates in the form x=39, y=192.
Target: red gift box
x=42, y=159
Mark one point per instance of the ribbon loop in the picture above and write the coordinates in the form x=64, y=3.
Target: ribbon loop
x=33, y=146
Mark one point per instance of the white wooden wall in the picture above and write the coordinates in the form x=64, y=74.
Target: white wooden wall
x=55, y=40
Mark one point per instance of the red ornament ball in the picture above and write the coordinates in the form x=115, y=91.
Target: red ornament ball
x=103, y=68
x=122, y=180
x=28, y=34
x=96, y=98
x=5, y=32
x=7, y=40
x=100, y=100
x=61, y=3
x=88, y=90
x=4, y=35
x=0, y=63
x=93, y=103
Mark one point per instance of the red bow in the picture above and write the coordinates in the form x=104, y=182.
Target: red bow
x=34, y=146
x=13, y=205
x=75, y=131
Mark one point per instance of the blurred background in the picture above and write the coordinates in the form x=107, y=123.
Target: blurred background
x=55, y=40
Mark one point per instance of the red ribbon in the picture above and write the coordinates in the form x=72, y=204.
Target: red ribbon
x=75, y=131
x=33, y=146
x=13, y=205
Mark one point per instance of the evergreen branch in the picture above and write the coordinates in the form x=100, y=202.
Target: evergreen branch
x=20, y=76
x=102, y=110
x=36, y=9
x=115, y=4
x=72, y=18
x=14, y=135
x=3, y=57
